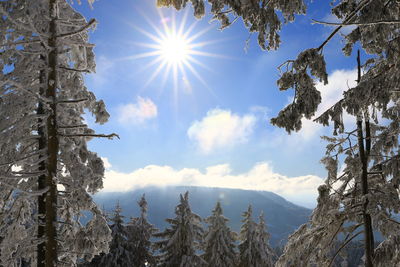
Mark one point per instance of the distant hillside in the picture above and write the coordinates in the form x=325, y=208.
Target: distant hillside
x=282, y=216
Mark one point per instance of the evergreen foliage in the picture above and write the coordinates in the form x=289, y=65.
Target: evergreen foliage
x=253, y=248
x=219, y=247
x=140, y=231
x=266, y=252
x=44, y=51
x=120, y=250
x=182, y=238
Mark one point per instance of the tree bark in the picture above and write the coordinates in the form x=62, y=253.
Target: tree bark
x=41, y=252
x=363, y=154
x=50, y=198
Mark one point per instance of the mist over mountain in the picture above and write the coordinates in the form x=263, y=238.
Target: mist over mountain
x=282, y=216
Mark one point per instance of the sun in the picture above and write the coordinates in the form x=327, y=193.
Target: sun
x=174, y=51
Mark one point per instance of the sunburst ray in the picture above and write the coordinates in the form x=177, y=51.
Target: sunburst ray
x=174, y=47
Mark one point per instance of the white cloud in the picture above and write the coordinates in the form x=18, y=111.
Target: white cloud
x=137, y=113
x=339, y=81
x=221, y=128
x=301, y=189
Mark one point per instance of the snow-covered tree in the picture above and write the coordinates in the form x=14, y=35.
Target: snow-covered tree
x=120, y=251
x=47, y=174
x=182, y=239
x=266, y=252
x=140, y=231
x=219, y=243
x=367, y=192
x=253, y=248
x=364, y=195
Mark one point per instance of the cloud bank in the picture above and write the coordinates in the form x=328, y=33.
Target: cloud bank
x=220, y=129
x=301, y=190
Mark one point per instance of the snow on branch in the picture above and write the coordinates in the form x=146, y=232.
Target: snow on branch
x=91, y=23
x=21, y=42
x=71, y=101
x=28, y=193
x=345, y=21
x=109, y=136
x=72, y=126
x=36, y=153
x=342, y=246
x=357, y=23
x=72, y=69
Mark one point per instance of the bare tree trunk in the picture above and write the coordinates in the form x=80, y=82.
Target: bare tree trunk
x=364, y=154
x=48, y=202
x=41, y=252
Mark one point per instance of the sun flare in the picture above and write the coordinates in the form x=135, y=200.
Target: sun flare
x=175, y=52
x=175, y=49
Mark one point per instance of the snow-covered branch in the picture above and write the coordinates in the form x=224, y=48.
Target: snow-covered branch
x=72, y=69
x=357, y=23
x=347, y=20
x=71, y=101
x=109, y=136
x=91, y=23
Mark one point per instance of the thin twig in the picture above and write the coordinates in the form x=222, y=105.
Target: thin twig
x=72, y=126
x=110, y=136
x=357, y=23
x=84, y=28
x=342, y=246
x=393, y=221
x=71, y=101
x=72, y=69
x=346, y=20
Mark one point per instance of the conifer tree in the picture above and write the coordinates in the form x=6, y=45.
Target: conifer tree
x=120, y=252
x=253, y=247
x=219, y=243
x=140, y=231
x=266, y=252
x=356, y=198
x=47, y=174
x=182, y=239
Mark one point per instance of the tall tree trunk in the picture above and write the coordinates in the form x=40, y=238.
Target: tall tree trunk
x=364, y=154
x=48, y=203
x=41, y=252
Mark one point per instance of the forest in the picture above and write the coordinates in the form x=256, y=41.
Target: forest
x=49, y=176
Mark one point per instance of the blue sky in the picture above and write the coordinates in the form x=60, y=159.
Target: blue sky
x=211, y=133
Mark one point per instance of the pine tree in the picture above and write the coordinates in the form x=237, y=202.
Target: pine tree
x=368, y=194
x=247, y=237
x=219, y=247
x=267, y=254
x=120, y=252
x=182, y=239
x=47, y=174
x=140, y=231
x=253, y=248
x=355, y=198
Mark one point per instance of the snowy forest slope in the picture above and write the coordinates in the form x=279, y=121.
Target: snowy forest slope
x=282, y=217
